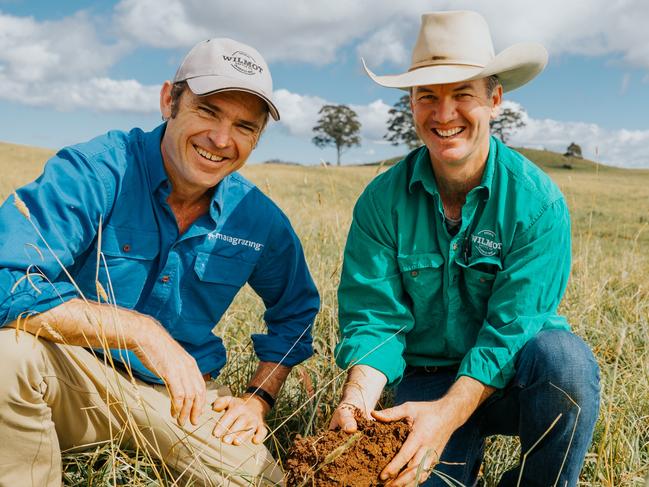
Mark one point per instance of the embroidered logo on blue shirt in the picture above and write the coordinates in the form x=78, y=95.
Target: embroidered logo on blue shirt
x=235, y=240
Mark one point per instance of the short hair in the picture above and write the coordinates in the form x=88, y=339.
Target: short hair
x=491, y=82
x=177, y=90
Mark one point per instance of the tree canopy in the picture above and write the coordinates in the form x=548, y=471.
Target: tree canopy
x=505, y=124
x=401, y=129
x=337, y=126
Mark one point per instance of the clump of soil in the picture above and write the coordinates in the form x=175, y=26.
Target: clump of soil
x=339, y=459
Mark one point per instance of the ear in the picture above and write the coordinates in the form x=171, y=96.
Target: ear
x=496, y=101
x=165, y=100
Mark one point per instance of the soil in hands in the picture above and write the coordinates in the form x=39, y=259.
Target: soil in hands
x=339, y=459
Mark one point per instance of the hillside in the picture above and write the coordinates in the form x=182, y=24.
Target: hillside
x=545, y=159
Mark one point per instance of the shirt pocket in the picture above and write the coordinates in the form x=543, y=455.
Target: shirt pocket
x=422, y=277
x=128, y=258
x=212, y=286
x=477, y=279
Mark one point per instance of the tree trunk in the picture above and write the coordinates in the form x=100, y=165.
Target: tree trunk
x=338, y=155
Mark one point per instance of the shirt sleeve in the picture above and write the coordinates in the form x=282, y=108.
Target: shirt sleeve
x=282, y=280
x=65, y=204
x=525, y=297
x=373, y=315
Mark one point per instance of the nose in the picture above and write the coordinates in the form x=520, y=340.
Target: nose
x=220, y=135
x=445, y=110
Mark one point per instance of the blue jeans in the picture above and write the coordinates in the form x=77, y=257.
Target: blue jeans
x=553, y=369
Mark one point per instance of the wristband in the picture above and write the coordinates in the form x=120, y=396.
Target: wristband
x=264, y=395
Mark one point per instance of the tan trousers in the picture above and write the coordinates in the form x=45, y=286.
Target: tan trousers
x=57, y=397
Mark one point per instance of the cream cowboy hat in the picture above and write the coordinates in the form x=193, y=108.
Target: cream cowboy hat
x=456, y=46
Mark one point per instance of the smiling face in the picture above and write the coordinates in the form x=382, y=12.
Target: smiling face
x=453, y=120
x=209, y=137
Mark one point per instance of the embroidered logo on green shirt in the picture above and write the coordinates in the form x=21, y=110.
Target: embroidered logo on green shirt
x=485, y=242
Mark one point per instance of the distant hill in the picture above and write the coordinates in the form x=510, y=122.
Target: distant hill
x=20, y=163
x=545, y=159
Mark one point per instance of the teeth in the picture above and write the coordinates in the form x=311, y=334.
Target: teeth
x=448, y=133
x=208, y=155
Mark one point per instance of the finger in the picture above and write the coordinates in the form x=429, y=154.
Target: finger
x=240, y=431
x=224, y=423
x=199, y=403
x=408, y=477
x=344, y=418
x=177, y=397
x=392, y=414
x=408, y=450
x=186, y=409
x=260, y=434
x=222, y=403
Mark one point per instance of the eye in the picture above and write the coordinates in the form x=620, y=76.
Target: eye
x=246, y=129
x=206, y=111
x=463, y=96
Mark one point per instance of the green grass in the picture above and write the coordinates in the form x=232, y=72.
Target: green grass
x=607, y=303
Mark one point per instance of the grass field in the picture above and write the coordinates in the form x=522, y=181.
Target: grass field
x=607, y=303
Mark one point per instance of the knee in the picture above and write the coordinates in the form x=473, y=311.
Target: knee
x=22, y=354
x=565, y=360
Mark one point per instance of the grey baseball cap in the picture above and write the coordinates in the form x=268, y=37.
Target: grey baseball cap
x=223, y=64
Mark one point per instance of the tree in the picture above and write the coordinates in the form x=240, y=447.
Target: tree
x=506, y=123
x=338, y=126
x=573, y=150
x=401, y=129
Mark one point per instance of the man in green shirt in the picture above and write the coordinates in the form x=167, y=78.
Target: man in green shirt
x=456, y=261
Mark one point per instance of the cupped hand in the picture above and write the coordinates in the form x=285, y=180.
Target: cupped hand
x=431, y=430
x=243, y=419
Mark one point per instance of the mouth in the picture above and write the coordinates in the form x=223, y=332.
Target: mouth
x=447, y=134
x=205, y=154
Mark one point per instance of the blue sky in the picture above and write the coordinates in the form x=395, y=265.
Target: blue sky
x=70, y=70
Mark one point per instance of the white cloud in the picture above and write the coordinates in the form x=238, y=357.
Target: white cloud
x=62, y=64
x=299, y=114
x=314, y=32
x=624, y=148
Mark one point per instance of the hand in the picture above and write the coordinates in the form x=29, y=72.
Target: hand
x=432, y=426
x=344, y=419
x=164, y=356
x=243, y=419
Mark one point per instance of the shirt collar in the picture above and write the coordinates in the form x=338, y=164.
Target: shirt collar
x=153, y=154
x=422, y=171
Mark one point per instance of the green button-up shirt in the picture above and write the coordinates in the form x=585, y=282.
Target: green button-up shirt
x=411, y=293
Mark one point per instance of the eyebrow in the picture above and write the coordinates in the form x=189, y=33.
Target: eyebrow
x=216, y=109
x=463, y=87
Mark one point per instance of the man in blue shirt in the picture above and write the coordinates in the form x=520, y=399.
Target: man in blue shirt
x=121, y=258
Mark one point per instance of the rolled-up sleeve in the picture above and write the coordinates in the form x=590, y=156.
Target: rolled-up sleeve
x=65, y=205
x=373, y=314
x=282, y=280
x=525, y=297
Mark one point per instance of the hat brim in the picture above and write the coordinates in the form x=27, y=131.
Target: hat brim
x=208, y=85
x=514, y=67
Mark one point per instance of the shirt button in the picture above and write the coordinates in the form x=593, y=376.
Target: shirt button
x=165, y=279
x=455, y=246
x=482, y=279
x=414, y=273
x=126, y=248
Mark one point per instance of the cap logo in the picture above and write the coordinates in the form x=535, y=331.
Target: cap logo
x=244, y=63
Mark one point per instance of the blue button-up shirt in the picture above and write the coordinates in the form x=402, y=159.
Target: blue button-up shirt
x=186, y=282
